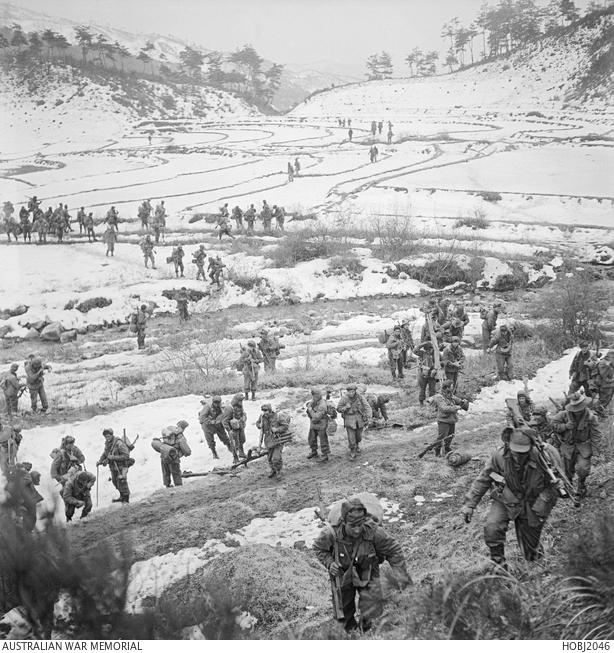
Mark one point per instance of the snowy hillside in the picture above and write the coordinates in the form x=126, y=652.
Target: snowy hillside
x=554, y=69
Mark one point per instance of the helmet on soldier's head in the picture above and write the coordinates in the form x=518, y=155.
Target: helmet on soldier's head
x=251, y=343
x=447, y=385
x=14, y=367
x=397, y=328
x=351, y=386
x=107, y=432
x=182, y=424
x=143, y=307
x=68, y=439
x=455, y=340
x=519, y=441
x=216, y=399
x=456, y=322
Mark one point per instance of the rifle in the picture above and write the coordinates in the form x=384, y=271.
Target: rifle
x=464, y=406
x=254, y=454
x=335, y=583
x=433, y=337
x=187, y=474
x=556, y=475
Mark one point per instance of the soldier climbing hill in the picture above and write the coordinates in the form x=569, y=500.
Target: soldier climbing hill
x=116, y=455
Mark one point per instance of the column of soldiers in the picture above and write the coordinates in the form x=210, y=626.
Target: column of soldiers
x=245, y=220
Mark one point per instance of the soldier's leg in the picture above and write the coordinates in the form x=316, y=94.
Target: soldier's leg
x=43, y=397
x=509, y=367
x=69, y=511
x=485, y=338
x=358, y=438
x=181, y=267
x=605, y=396
x=254, y=385
x=276, y=458
x=210, y=442
x=122, y=485
x=447, y=442
x=324, y=444
x=442, y=432
x=392, y=364
x=33, y=397
x=175, y=469
x=421, y=388
x=371, y=603
x=528, y=539
x=87, y=508
x=351, y=433
x=221, y=434
x=500, y=361
x=9, y=405
x=348, y=594
x=399, y=367
x=583, y=469
x=312, y=441
x=166, y=473
x=495, y=530
x=569, y=455
x=114, y=476
x=432, y=383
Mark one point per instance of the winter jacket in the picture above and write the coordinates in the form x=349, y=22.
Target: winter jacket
x=234, y=411
x=274, y=427
x=577, y=428
x=378, y=407
x=427, y=359
x=447, y=407
x=395, y=346
x=10, y=384
x=35, y=372
x=316, y=410
x=528, y=493
x=76, y=490
x=355, y=410
x=249, y=358
x=503, y=340
x=211, y=416
x=490, y=321
x=452, y=359
x=360, y=559
x=578, y=370
x=115, y=450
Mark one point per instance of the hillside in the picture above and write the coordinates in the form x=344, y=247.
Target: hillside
x=574, y=64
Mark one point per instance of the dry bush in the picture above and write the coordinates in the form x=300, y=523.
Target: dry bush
x=398, y=238
x=477, y=221
x=305, y=245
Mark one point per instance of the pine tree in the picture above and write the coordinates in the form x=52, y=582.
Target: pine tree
x=19, y=38
x=84, y=39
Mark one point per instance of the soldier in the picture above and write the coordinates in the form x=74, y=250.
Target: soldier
x=110, y=238
x=12, y=227
x=489, y=322
x=503, y=340
x=266, y=217
x=356, y=415
x=116, y=454
x=41, y=226
x=380, y=126
x=237, y=216
x=33, y=204
x=522, y=491
x=174, y=437
x=211, y=417
x=147, y=248
x=297, y=167
x=26, y=226
x=138, y=324
x=159, y=223
x=249, y=362
x=458, y=311
x=603, y=380
x=541, y=423
x=76, y=493
x=22, y=493
x=279, y=213
x=81, y=215
x=35, y=372
x=112, y=218
x=350, y=134
x=224, y=227
x=144, y=213
x=216, y=268
x=250, y=218
x=577, y=428
x=353, y=550
x=69, y=458
x=270, y=347
x=273, y=428
x=10, y=439
x=234, y=420
x=525, y=405
x=453, y=361
x=290, y=172
x=395, y=346
x=318, y=421
x=378, y=408
x=89, y=228
x=198, y=258
x=224, y=211
x=181, y=297
x=177, y=258
x=12, y=389
x=408, y=340
x=447, y=406
x=373, y=127
x=579, y=371
x=427, y=374
x=389, y=136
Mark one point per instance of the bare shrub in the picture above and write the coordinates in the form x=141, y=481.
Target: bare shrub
x=305, y=245
x=349, y=261
x=477, y=221
x=245, y=281
x=397, y=238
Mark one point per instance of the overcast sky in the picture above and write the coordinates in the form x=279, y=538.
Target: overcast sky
x=285, y=31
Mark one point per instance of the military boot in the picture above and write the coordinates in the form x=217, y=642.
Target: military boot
x=241, y=452
x=581, y=492
x=273, y=473
x=497, y=556
x=253, y=395
x=313, y=454
x=352, y=454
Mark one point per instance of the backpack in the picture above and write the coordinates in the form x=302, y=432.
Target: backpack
x=483, y=313
x=383, y=337
x=331, y=411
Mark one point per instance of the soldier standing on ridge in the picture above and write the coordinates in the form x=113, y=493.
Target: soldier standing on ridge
x=116, y=455
x=89, y=229
x=249, y=362
x=579, y=372
x=237, y=216
x=110, y=238
x=177, y=259
x=35, y=372
x=198, y=258
x=147, y=247
x=11, y=388
x=138, y=324
x=395, y=346
x=250, y=218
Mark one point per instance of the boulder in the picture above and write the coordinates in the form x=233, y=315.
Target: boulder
x=68, y=336
x=13, y=312
x=193, y=295
x=4, y=329
x=93, y=302
x=32, y=334
x=52, y=332
x=39, y=325
x=82, y=330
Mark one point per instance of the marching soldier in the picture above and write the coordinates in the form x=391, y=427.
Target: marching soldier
x=356, y=415
x=503, y=340
x=234, y=419
x=198, y=258
x=489, y=322
x=215, y=270
x=270, y=347
x=522, y=492
x=249, y=362
x=110, y=238
x=274, y=428
x=211, y=419
x=408, y=340
x=427, y=374
x=116, y=455
x=12, y=387
x=453, y=361
x=69, y=458
x=237, y=216
x=174, y=437
x=250, y=218
x=447, y=406
x=76, y=493
x=147, y=247
x=35, y=373
x=353, y=551
x=577, y=429
x=144, y=213
x=395, y=346
x=89, y=228
x=177, y=259
x=139, y=324
x=182, y=298
x=317, y=411
x=579, y=371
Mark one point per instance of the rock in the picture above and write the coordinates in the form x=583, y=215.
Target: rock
x=32, y=334
x=459, y=291
x=51, y=333
x=13, y=312
x=39, y=325
x=71, y=304
x=82, y=330
x=403, y=275
x=193, y=632
x=93, y=302
x=4, y=329
x=16, y=625
x=384, y=280
x=68, y=336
